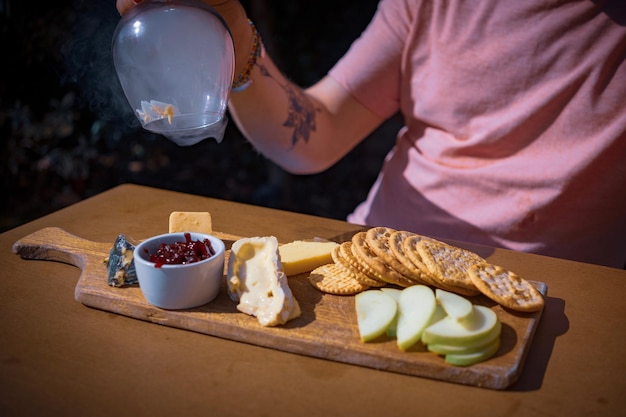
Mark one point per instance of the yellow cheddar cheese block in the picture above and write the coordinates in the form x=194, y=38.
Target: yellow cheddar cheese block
x=190, y=221
x=302, y=256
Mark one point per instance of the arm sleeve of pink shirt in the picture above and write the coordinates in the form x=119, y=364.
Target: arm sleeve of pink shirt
x=371, y=69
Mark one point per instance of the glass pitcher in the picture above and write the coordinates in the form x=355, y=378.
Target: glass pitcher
x=175, y=62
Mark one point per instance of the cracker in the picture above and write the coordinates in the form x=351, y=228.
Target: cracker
x=375, y=265
x=190, y=221
x=396, y=245
x=342, y=255
x=333, y=279
x=379, y=241
x=448, y=264
x=407, y=252
x=506, y=288
x=467, y=292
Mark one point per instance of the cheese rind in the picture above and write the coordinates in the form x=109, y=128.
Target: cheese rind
x=302, y=256
x=256, y=281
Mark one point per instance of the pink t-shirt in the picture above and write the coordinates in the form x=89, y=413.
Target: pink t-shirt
x=515, y=116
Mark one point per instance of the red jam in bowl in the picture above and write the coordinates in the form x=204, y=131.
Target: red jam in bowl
x=179, y=253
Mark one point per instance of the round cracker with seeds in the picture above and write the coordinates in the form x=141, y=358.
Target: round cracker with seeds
x=374, y=265
x=448, y=264
x=342, y=255
x=333, y=279
x=379, y=240
x=396, y=245
x=506, y=288
x=467, y=292
x=410, y=247
x=348, y=254
x=411, y=254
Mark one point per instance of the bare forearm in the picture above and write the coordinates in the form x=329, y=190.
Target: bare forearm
x=302, y=130
x=283, y=122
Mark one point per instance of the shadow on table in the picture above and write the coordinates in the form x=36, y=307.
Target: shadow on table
x=553, y=323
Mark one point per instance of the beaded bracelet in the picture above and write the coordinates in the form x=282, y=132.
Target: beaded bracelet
x=243, y=80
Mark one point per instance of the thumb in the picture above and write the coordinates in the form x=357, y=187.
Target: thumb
x=125, y=5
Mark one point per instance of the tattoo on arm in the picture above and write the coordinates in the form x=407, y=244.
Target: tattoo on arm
x=300, y=111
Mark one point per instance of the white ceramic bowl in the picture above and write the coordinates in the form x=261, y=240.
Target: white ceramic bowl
x=179, y=286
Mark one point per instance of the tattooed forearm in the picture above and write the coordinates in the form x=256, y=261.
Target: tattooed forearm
x=300, y=112
x=301, y=115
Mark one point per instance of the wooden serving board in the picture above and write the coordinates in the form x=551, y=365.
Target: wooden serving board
x=326, y=329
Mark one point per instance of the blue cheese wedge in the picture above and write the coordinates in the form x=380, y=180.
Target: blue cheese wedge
x=120, y=264
x=257, y=281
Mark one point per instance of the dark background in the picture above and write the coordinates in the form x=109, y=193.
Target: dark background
x=67, y=132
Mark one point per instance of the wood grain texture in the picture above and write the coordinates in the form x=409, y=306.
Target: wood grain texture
x=326, y=329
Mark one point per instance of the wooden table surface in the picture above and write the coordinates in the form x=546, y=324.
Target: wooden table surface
x=59, y=357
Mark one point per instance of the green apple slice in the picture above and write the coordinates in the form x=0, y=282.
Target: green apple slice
x=450, y=332
x=375, y=310
x=466, y=359
x=438, y=315
x=456, y=306
x=395, y=293
x=416, y=307
x=472, y=347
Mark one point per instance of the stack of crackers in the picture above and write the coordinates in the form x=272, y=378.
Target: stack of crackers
x=382, y=256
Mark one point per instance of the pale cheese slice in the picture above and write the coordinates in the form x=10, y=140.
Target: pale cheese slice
x=256, y=281
x=302, y=256
x=190, y=221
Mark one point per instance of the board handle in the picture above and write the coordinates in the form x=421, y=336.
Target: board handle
x=56, y=244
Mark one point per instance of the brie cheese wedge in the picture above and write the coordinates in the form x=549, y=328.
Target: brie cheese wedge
x=257, y=281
